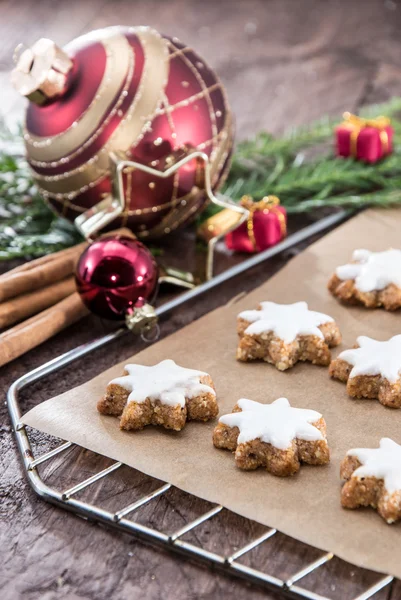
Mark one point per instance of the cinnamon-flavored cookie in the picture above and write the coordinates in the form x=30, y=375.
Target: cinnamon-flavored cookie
x=371, y=370
x=283, y=334
x=373, y=478
x=372, y=279
x=276, y=436
x=165, y=394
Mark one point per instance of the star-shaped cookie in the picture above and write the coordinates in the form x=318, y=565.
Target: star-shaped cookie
x=373, y=478
x=276, y=436
x=164, y=394
x=372, y=279
x=283, y=334
x=371, y=370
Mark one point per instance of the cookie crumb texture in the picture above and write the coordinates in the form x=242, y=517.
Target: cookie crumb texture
x=165, y=394
x=276, y=436
x=372, y=279
x=283, y=334
x=371, y=370
x=373, y=478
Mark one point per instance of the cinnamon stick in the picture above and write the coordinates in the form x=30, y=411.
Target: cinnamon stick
x=36, y=330
x=40, y=272
x=46, y=270
x=26, y=305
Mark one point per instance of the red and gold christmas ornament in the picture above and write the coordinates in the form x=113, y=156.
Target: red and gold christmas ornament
x=123, y=94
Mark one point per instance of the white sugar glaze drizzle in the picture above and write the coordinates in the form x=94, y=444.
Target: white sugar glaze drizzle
x=286, y=321
x=383, y=463
x=277, y=423
x=373, y=270
x=166, y=381
x=375, y=358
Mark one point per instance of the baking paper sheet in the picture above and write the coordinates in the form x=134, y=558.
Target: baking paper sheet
x=306, y=506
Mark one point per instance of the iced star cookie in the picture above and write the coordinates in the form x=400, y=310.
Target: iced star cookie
x=283, y=334
x=165, y=394
x=276, y=436
x=372, y=279
x=371, y=370
x=373, y=478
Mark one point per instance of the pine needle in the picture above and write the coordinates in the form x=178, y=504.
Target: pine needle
x=298, y=167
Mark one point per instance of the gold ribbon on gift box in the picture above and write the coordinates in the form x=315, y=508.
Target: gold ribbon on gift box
x=267, y=204
x=356, y=124
x=226, y=219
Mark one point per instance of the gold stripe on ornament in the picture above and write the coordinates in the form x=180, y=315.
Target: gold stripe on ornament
x=149, y=95
x=69, y=196
x=65, y=201
x=179, y=52
x=66, y=159
x=221, y=145
x=204, y=87
x=118, y=52
x=189, y=100
x=128, y=192
x=132, y=127
x=182, y=207
x=67, y=174
x=221, y=151
x=158, y=111
x=157, y=208
x=60, y=197
x=171, y=124
x=170, y=221
x=167, y=223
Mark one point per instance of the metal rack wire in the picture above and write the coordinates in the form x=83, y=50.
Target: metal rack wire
x=121, y=518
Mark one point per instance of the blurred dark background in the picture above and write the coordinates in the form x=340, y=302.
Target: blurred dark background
x=284, y=62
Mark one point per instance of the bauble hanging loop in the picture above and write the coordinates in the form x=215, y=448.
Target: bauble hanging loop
x=141, y=319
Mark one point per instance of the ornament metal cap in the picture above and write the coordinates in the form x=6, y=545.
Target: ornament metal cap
x=141, y=319
x=41, y=71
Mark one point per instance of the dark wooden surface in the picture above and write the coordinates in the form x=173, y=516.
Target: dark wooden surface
x=284, y=62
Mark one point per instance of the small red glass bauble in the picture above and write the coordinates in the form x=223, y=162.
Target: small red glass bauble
x=128, y=92
x=115, y=275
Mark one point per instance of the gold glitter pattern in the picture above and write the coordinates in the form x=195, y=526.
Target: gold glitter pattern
x=150, y=102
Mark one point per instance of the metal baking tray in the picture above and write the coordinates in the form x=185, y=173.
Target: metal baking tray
x=121, y=517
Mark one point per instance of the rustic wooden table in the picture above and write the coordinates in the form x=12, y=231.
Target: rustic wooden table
x=284, y=63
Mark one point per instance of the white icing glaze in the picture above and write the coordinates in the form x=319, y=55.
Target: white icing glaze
x=373, y=270
x=375, y=358
x=276, y=424
x=286, y=321
x=382, y=463
x=166, y=381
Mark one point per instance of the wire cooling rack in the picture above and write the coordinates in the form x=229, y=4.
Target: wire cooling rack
x=122, y=517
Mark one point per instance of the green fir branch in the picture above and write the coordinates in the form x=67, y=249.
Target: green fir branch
x=28, y=227
x=299, y=167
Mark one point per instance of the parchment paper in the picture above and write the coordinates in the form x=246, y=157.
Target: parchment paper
x=306, y=506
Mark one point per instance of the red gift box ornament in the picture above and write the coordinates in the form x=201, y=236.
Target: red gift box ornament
x=266, y=226
x=364, y=139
